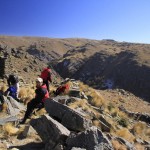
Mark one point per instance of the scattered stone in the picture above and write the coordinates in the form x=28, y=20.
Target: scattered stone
x=105, y=125
x=26, y=69
x=91, y=139
x=74, y=93
x=28, y=130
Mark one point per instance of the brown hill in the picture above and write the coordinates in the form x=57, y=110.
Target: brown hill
x=100, y=64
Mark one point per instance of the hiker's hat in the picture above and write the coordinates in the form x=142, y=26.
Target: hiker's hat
x=39, y=80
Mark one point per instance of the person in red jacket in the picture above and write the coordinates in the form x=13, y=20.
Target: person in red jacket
x=46, y=76
x=41, y=94
x=64, y=88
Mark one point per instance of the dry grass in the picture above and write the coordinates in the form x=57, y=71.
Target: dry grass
x=114, y=112
x=124, y=133
x=118, y=146
x=3, y=88
x=83, y=87
x=40, y=112
x=139, y=128
x=97, y=123
x=77, y=104
x=26, y=94
x=147, y=132
x=139, y=147
x=28, y=99
x=85, y=107
x=10, y=129
x=4, y=107
x=22, y=93
x=97, y=99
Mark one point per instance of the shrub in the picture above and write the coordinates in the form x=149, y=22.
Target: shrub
x=123, y=122
x=110, y=106
x=139, y=128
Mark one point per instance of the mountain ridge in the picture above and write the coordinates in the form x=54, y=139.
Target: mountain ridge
x=92, y=61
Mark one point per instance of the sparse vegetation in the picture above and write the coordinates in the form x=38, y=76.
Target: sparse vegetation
x=10, y=129
x=123, y=122
x=124, y=133
x=139, y=128
x=110, y=106
x=118, y=146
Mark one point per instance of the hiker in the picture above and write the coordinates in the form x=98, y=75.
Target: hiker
x=64, y=88
x=12, y=91
x=13, y=83
x=46, y=76
x=40, y=97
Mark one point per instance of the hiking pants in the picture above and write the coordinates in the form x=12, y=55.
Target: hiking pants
x=31, y=106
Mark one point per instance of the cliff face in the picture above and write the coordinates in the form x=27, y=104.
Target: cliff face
x=127, y=69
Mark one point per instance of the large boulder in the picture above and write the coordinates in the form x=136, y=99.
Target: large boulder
x=70, y=118
x=51, y=132
x=91, y=139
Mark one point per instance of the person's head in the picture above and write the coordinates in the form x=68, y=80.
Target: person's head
x=39, y=82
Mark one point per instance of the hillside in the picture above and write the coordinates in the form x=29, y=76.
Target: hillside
x=100, y=64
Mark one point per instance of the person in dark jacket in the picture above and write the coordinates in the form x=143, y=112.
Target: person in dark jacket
x=40, y=97
x=12, y=91
x=13, y=83
x=46, y=76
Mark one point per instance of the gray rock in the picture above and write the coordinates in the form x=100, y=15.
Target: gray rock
x=71, y=119
x=138, y=116
x=91, y=139
x=51, y=132
x=59, y=146
x=105, y=125
x=28, y=130
x=76, y=148
x=74, y=93
x=26, y=69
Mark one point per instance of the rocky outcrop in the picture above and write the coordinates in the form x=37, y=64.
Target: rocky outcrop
x=71, y=119
x=136, y=115
x=125, y=70
x=51, y=132
x=91, y=139
x=57, y=137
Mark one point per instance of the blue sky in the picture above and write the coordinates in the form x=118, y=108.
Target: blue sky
x=121, y=20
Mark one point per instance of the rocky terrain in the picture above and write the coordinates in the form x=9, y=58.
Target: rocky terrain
x=84, y=118
x=116, y=100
